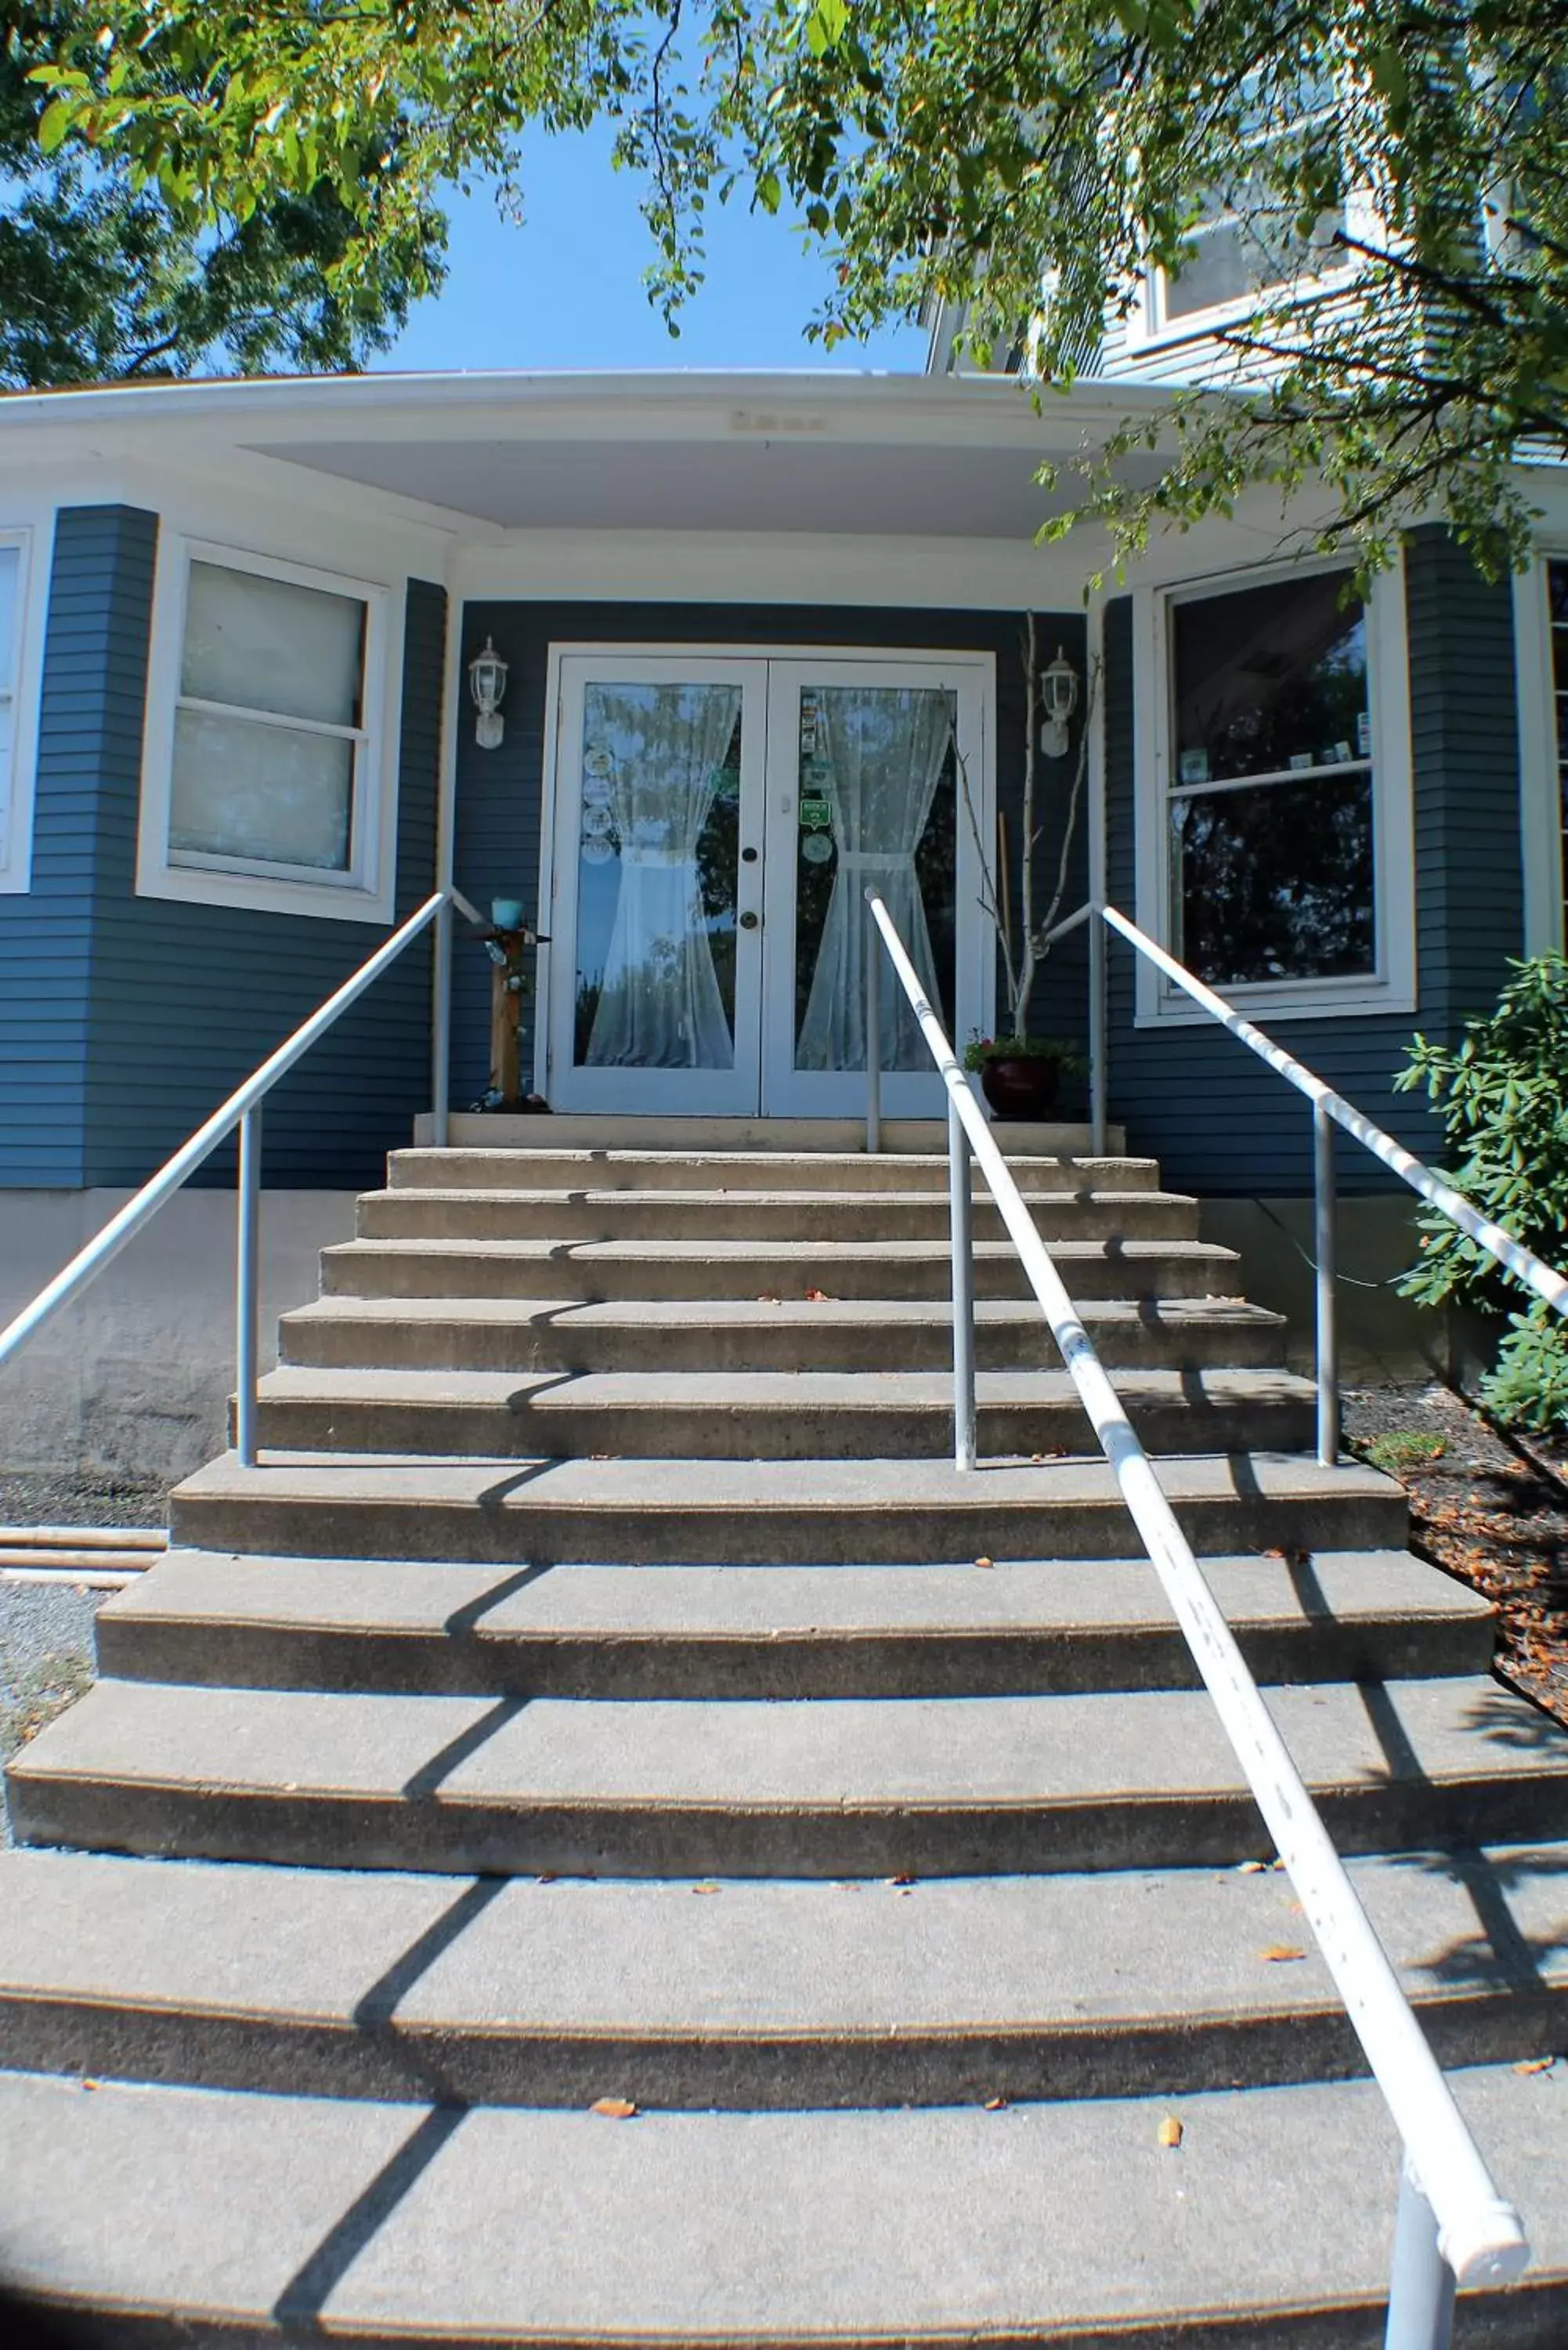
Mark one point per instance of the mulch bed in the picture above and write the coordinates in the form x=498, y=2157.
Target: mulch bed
x=1491, y=1508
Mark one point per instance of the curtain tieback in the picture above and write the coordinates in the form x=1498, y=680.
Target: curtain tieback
x=884, y=860
x=667, y=857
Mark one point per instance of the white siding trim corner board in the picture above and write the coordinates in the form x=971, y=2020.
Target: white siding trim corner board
x=365, y=893
x=1540, y=800
x=21, y=687
x=1392, y=988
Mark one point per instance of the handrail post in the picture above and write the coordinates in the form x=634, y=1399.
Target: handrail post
x=873, y=1036
x=440, y=1028
x=247, y=1284
x=1421, y=2283
x=961, y=1209
x=1325, y=1235
x=1098, y=1073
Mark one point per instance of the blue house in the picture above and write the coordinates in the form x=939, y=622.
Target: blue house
x=758, y=642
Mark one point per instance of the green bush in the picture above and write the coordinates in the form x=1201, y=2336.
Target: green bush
x=1501, y=1096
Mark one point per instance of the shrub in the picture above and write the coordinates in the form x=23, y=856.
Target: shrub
x=1501, y=1096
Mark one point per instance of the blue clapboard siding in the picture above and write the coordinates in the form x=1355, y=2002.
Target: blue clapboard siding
x=90, y=729
x=1219, y=1120
x=500, y=794
x=159, y=1009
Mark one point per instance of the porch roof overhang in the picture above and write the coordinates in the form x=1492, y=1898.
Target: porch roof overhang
x=810, y=453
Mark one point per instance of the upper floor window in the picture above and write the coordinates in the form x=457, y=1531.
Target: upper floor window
x=273, y=749
x=1282, y=858
x=14, y=857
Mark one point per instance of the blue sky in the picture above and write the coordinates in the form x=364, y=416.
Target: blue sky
x=566, y=289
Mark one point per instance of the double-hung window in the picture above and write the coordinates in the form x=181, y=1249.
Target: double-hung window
x=14, y=857
x=1281, y=858
x=265, y=789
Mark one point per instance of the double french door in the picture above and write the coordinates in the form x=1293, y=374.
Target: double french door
x=716, y=822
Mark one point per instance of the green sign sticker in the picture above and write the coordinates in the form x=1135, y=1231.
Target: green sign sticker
x=815, y=812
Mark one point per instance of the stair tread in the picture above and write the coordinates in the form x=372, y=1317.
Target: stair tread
x=806, y=1252
x=1075, y=1953
x=747, y=1757
x=936, y=2225
x=1022, y=1163
x=743, y=1392
x=747, y=1313
x=723, y=1487
x=759, y=1602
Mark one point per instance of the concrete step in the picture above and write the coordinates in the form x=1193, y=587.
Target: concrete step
x=601, y=1271
x=593, y=1131
x=744, y=1170
x=743, y=1334
x=733, y=1994
x=774, y=1632
x=422, y=1212
x=764, y=1513
x=937, y=1786
x=1066, y=2224
x=764, y=1415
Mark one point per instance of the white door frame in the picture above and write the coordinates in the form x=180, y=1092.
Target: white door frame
x=768, y=771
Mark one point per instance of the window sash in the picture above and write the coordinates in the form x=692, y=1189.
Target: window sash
x=349, y=875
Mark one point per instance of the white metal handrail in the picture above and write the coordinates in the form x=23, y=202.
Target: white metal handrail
x=1329, y=1109
x=1453, y=2225
x=244, y=1109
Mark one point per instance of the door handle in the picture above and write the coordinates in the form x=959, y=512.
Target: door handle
x=749, y=921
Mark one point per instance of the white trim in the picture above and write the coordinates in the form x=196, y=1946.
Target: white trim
x=21, y=694
x=1393, y=988
x=1540, y=792
x=365, y=892
x=755, y=1087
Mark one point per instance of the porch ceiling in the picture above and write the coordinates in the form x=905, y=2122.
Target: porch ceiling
x=757, y=484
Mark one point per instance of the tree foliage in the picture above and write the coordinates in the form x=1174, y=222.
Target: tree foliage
x=1501, y=1097
x=1404, y=166
x=105, y=273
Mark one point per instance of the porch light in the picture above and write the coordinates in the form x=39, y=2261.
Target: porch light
x=1059, y=698
x=487, y=683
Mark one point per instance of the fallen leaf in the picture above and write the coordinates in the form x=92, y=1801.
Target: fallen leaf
x=1280, y=1954
x=996, y=2104
x=1252, y=1867
x=1036, y=1460
x=1531, y=2065
x=816, y=1297
x=88, y=2083
x=904, y=1877
x=546, y=1876
x=1170, y=2131
x=769, y=1298
x=705, y=1888
x=614, y=2109
x=985, y=1562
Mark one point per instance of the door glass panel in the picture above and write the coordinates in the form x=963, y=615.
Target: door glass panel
x=877, y=804
x=656, y=867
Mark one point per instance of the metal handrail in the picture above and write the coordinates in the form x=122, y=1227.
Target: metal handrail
x=243, y=1108
x=1453, y=2225
x=1329, y=1109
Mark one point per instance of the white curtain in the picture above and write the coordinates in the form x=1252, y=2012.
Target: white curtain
x=886, y=746
x=659, y=1006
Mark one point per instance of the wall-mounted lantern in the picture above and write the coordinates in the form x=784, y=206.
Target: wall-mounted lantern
x=487, y=683
x=1059, y=699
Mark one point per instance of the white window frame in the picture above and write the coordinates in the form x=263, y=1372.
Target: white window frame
x=1391, y=986
x=19, y=691
x=365, y=892
x=1540, y=812
x=1149, y=327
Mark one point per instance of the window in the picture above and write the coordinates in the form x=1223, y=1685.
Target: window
x=1281, y=858
x=13, y=825
x=265, y=789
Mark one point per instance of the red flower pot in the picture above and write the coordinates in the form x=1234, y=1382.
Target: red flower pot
x=1024, y=1089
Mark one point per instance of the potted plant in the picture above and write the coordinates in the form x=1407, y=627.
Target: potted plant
x=1020, y=1076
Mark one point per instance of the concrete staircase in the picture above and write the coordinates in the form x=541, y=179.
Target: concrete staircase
x=606, y=1689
